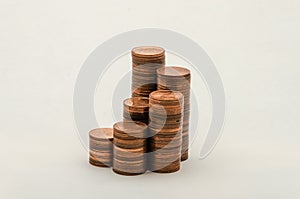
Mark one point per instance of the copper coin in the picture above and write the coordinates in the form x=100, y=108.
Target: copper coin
x=130, y=130
x=165, y=95
x=173, y=71
x=148, y=51
x=136, y=104
x=101, y=134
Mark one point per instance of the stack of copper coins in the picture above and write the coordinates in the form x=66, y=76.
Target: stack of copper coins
x=101, y=147
x=145, y=61
x=129, y=148
x=178, y=79
x=136, y=109
x=165, y=127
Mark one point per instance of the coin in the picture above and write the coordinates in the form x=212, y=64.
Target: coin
x=176, y=78
x=101, y=146
x=130, y=143
x=165, y=127
x=148, y=51
x=145, y=61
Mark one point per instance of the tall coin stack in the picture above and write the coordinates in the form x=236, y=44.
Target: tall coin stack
x=129, y=148
x=136, y=109
x=101, y=147
x=178, y=79
x=145, y=61
x=165, y=127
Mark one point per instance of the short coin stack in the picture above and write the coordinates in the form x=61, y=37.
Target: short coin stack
x=165, y=126
x=178, y=79
x=129, y=148
x=145, y=61
x=136, y=109
x=101, y=147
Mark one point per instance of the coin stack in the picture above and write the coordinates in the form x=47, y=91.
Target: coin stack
x=129, y=148
x=136, y=109
x=165, y=126
x=178, y=79
x=101, y=147
x=145, y=61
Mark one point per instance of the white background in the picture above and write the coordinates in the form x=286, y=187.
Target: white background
x=254, y=44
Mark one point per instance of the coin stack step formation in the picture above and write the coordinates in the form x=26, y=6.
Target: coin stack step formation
x=145, y=62
x=165, y=114
x=129, y=148
x=154, y=133
x=178, y=79
x=101, y=147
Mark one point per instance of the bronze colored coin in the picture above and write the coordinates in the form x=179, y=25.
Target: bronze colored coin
x=178, y=103
x=139, y=150
x=163, y=161
x=100, y=145
x=136, y=59
x=147, y=51
x=164, y=111
x=101, y=154
x=147, y=89
x=173, y=131
x=174, y=71
x=164, y=126
x=144, y=89
x=170, y=168
x=135, y=114
x=135, y=94
x=148, y=62
x=129, y=159
x=126, y=173
x=129, y=167
x=101, y=134
x=182, y=88
x=97, y=163
x=177, y=85
x=130, y=130
x=185, y=156
x=137, y=154
x=174, y=80
x=166, y=95
x=141, y=81
x=146, y=69
x=166, y=118
x=170, y=145
x=136, y=119
x=159, y=142
x=136, y=104
x=167, y=152
x=185, y=145
x=130, y=144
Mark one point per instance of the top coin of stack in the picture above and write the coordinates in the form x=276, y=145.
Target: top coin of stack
x=178, y=79
x=136, y=109
x=101, y=147
x=145, y=61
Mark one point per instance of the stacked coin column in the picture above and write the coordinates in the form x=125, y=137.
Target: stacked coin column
x=165, y=126
x=136, y=109
x=101, y=147
x=178, y=79
x=129, y=148
x=145, y=61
